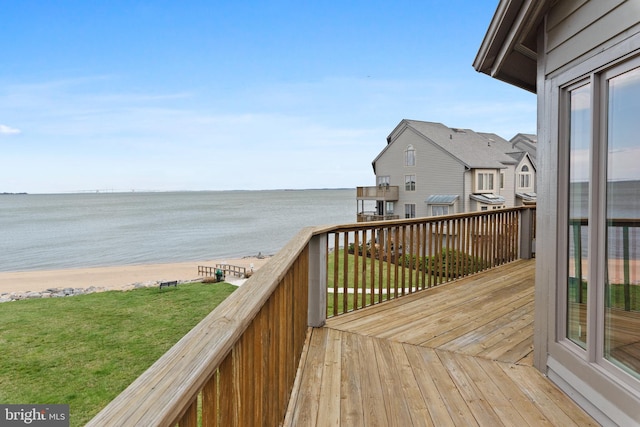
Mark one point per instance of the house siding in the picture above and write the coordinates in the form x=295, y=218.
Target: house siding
x=576, y=28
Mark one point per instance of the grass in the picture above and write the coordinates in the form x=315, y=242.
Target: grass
x=85, y=350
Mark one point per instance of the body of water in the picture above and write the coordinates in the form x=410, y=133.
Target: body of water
x=54, y=231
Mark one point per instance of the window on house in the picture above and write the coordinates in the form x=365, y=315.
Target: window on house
x=524, y=178
x=383, y=181
x=601, y=243
x=390, y=207
x=410, y=183
x=437, y=210
x=410, y=156
x=410, y=210
x=484, y=181
x=502, y=180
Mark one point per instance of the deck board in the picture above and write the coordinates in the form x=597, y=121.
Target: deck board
x=456, y=354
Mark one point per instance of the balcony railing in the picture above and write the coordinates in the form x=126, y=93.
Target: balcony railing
x=238, y=365
x=622, y=233
x=381, y=192
x=372, y=216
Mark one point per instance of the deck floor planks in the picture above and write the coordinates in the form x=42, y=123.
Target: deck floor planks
x=305, y=409
x=547, y=397
x=480, y=324
x=525, y=406
x=330, y=394
x=480, y=408
x=394, y=401
x=488, y=331
x=494, y=395
x=461, y=308
x=423, y=374
x=372, y=397
x=418, y=410
x=470, y=379
x=351, y=409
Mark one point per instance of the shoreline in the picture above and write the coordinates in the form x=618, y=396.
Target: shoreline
x=121, y=277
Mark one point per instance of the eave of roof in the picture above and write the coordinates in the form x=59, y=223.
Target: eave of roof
x=508, y=51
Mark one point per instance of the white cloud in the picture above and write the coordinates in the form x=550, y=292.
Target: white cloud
x=7, y=130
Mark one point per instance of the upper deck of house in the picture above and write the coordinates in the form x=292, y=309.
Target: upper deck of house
x=411, y=322
x=458, y=354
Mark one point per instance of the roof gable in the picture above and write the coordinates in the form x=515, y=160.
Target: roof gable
x=472, y=149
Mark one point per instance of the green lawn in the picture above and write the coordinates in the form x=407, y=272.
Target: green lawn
x=84, y=350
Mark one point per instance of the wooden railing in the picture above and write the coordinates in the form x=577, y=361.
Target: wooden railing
x=374, y=262
x=237, y=366
x=372, y=216
x=619, y=231
x=381, y=192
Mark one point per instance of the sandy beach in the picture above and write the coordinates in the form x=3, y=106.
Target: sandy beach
x=116, y=277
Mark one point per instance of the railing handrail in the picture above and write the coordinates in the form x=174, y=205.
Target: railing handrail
x=162, y=394
x=339, y=228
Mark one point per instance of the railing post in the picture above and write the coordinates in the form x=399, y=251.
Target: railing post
x=317, y=281
x=526, y=234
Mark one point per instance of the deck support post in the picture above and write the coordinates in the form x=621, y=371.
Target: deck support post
x=526, y=234
x=317, y=281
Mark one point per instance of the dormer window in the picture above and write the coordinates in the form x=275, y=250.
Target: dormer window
x=524, y=178
x=410, y=156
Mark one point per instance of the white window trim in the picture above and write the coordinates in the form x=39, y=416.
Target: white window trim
x=485, y=173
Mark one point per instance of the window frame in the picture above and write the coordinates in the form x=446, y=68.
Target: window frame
x=409, y=210
x=410, y=182
x=410, y=156
x=593, y=354
x=480, y=176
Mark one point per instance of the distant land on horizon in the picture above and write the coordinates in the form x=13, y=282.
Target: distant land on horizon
x=114, y=191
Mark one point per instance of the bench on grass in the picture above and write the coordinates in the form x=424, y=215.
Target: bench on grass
x=170, y=283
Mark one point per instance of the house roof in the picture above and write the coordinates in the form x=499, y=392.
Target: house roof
x=442, y=199
x=472, y=149
x=489, y=199
x=527, y=142
x=509, y=49
x=527, y=197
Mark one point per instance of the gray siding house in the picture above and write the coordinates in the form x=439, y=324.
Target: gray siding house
x=582, y=59
x=429, y=169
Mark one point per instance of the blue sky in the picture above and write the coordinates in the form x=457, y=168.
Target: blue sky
x=221, y=95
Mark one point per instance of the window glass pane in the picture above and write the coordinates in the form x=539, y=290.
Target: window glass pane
x=622, y=280
x=410, y=156
x=579, y=155
x=410, y=182
x=410, y=211
x=390, y=208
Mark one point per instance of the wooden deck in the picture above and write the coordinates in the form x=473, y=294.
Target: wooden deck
x=456, y=355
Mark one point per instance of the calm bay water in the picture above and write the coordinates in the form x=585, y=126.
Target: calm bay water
x=53, y=231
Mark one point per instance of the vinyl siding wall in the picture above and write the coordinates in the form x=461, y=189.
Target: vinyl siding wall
x=578, y=29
